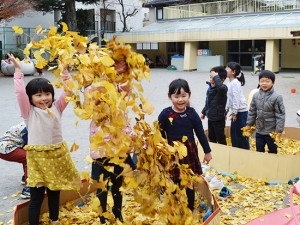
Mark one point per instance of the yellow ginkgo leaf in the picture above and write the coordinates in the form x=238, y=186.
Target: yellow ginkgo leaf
x=17, y=29
x=107, y=61
x=74, y=147
x=38, y=29
x=89, y=159
x=65, y=27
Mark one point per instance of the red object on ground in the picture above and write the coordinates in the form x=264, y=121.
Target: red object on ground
x=293, y=90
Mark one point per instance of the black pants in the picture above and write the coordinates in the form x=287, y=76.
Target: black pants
x=190, y=194
x=98, y=168
x=262, y=140
x=36, y=200
x=216, y=131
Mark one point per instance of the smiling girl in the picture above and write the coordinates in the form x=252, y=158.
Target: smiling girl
x=50, y=167
x=181, y=120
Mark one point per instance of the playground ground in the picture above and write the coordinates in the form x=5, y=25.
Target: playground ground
x=155, y=91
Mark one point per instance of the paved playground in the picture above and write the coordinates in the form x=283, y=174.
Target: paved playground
x=155, y=90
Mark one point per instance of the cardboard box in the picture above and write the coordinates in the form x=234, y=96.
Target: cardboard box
x=258, y=165
x=21, y=210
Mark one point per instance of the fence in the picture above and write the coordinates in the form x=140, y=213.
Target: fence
x=15, y=43
x=228, y=7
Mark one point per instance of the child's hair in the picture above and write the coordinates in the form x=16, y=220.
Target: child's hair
x=221, y=72
x=237, y=72
x=267, y=74
x=176, y=85
x=38, y=85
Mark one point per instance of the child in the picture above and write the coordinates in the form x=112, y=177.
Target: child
x=185, y=122
x=267, y=112
x=109, y=170
x=50, y=166
x=237, y=105
x=11, y=149
x=215, y=104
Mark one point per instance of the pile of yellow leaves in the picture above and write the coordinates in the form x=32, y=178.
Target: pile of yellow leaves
x=98, y=72
x=250, y=199
x=286, y=146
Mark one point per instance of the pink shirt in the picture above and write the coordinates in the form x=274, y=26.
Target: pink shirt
x=43, y=128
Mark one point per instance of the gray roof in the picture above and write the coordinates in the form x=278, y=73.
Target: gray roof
x=229, y=22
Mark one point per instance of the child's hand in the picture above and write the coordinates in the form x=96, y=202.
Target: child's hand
x=202, y=116
x=233, y=117
x=65, y=73
x=278, y=136
x=16, y=62
x=207, y=158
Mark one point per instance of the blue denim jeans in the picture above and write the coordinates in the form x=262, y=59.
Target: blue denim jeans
x=237, y=139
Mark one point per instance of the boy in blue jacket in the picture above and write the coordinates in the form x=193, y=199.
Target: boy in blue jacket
x=214, y=109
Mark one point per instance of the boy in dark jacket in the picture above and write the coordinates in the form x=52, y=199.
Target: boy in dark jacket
x=214, y=109
x=267, y=112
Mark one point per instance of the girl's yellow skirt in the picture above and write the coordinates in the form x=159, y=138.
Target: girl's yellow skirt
x=51, y=166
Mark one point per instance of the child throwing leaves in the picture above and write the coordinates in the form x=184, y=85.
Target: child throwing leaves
x=104, y=167
x=182, y=120
x=50, y=167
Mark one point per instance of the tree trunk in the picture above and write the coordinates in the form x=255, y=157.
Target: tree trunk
x=70, y=15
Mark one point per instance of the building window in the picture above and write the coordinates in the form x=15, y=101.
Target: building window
x=159, y=13
x=147, y=46
x=108, y=20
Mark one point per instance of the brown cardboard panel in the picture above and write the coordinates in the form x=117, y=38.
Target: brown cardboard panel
x=274, y=167
x=220, y=154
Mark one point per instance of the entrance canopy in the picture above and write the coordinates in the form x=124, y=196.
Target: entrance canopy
x=248, y=26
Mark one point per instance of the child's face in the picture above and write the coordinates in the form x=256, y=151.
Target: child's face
x=42, y=100
x=180, y=101
x=265, y=83
x=230, y=72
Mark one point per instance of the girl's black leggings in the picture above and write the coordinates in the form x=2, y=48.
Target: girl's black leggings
x=36, y=200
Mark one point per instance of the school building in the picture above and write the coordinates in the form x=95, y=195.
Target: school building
x=196, y=35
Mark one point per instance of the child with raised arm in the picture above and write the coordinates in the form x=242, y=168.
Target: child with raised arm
x=267, y=112
x=50, y=166
x=237, y=105
x=215, y=104
x=102, y=165
x=184, y=122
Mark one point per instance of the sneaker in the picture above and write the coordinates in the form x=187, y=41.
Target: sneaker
x=216, y=184
x=25, y=193
x=23, y=180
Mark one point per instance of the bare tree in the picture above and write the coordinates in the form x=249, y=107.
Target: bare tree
x=106, y=5
x=125, y=13
x=11, y=8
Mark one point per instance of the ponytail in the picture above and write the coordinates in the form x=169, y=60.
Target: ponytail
x=241, y=78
